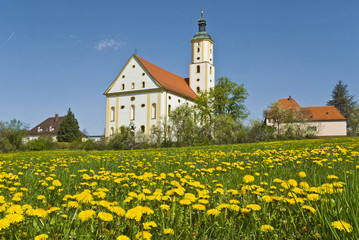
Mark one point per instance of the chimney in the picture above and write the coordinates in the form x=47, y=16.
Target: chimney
x=290, y=98
x=56, y=117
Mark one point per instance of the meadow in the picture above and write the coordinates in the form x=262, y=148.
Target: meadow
x=306, y=189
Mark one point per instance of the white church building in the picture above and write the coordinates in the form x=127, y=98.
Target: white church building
x=144, y=94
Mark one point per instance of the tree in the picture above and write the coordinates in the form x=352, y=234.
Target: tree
x=228, y=99
x=11, y=134
x=354, y=120
x=69, y=129
x=342, y=100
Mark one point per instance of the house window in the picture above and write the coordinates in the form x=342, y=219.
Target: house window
x=39, y=129
x=153, y=111
x=112, y=118
x=169, y=109
x=143, y=84
x=142, y=128
x=123, y=86
x=132, y=112
x=198, y=69
x=312, y=129
x=153, y=129
x=198, y=90
x=112, y=131
x=133, y=85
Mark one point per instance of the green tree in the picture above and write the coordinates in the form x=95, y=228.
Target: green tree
x=228, y=99
x=69, y=129
x=11, y=134
x=342, y=100
x=354, y=120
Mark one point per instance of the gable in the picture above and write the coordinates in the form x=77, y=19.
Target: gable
x=133, y=77
x=168, y=80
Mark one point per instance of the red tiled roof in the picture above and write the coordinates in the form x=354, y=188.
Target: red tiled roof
x=44, y=127
x=321, y=113
x=168, y=80
x=288, y=102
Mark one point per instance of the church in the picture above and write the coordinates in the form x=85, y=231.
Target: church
x=144, y=94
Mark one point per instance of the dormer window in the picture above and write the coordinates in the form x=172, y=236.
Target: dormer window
x=51, y=128
x=39, y=129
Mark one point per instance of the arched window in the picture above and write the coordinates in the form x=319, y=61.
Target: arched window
x=143, y=128
x=210, y=70
x=112, y=117
x=143, y=85
x=112, y=131
x=198, y=50
x=123, y=86
x=198, y=90
x=169, y=109
x=132, y=112
x=153, y=111
x=133, y=85
x=198, y=69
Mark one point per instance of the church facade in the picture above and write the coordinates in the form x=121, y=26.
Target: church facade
x=143, y=94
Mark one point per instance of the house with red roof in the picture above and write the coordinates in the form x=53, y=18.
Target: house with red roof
x=323, y=121
x=144, y=94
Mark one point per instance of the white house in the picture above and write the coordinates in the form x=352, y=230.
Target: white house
x=143, y=94
x=323, y=121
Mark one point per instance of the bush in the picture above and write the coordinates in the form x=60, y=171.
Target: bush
x=41, y=143
x=122, y=141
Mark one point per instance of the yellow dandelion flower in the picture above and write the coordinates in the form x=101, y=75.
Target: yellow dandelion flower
x=309, y=208
x=41, y=237
x=332, y=177
x=313, y=197
x=245, y=210
x=86, y=215
x=39, y=212
x=302, y=174
x=248, y=179
x=134, y=213
x=53, y=209
x=199, y=207
x=185, y=201
x=4, y=223
x=123, y=237
x=169, y=231
x=266, y=228
x=342, y=226
x=118, y=210
x=267, y=198
x=235, y=208
x=41, y=197
x=214, y=212
x=165, y=207
x=56, y=183
x=254, y=207
x=143, y=235
x=107, y=217
x=14, y=218
x=149, y=225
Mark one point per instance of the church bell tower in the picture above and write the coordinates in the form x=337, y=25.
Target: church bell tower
x=201, y=70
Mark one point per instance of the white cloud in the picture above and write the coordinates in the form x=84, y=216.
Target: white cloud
x=109, y=44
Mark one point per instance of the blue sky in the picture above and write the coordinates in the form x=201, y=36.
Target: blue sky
x=60, y=54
